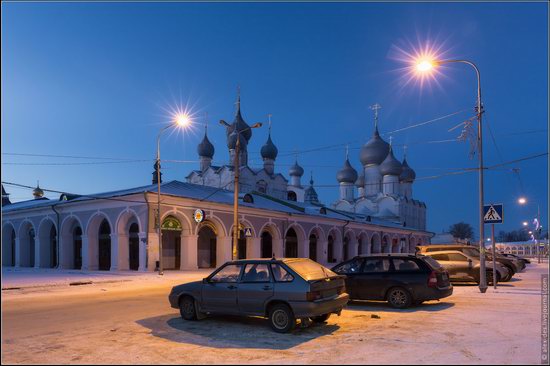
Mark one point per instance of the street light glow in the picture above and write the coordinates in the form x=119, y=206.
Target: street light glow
x=183, y=120
x=424, y=65
x=525, y=223
x=522, y=200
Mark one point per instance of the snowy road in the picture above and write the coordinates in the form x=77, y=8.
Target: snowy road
x=133, y=323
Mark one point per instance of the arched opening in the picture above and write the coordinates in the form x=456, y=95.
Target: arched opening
x=104, y=246
x=171, y=243
x=291, y=196
x=26, y=244
x=8, y=246
x=133, y=246
x=313, y=247
x=330, y=250
x=291, y=244
x=47, y=233
x=206, y=251
x=266, y=245
x=77, y=248
x=53, y=247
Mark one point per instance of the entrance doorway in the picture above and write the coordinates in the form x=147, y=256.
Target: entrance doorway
x=77, y=247
x=206, y=251
x=266, y=245
x=104, y=246
x=291, y=244
x=171, y=243
x=313, y=247
x=133, y=243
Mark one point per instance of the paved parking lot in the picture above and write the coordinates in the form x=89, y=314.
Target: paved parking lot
x=131, y=322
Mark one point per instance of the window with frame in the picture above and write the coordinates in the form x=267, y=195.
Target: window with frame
x=229, y=274
x=350, y=267
x=256, y=272
x=376, y=265
x=402, y=265
x=280, y=274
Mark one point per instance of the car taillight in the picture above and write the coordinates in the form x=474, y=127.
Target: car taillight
x=432, y=279
x=312, y=296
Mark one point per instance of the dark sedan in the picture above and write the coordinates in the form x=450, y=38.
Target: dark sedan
x=282, y=290
x=401, y=280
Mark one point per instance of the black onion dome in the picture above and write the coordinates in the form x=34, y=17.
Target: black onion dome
x=296, y=170
x=269, y=150
x=374, y=151
x=407, y=175
x=205, y=148
x=347, y=174
x=240, y=124
x=390, y=165
x=232, y=140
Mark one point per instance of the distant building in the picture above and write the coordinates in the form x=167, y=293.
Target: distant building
x=529, y=248
x=118, y=230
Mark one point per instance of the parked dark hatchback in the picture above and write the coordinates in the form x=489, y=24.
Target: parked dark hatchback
x=282, y=290
x=402, y=280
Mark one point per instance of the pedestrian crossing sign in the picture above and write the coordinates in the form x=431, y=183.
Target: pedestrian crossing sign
x=247, y=232
x=493, y=214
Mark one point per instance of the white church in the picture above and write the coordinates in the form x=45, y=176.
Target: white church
x=118, y=230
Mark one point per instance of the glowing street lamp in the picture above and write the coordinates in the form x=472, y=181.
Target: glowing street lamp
x=525, y=223
x=424, y=66
x=522, y=200
x=180, y=120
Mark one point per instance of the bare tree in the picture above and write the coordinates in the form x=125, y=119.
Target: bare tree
x=462, y=230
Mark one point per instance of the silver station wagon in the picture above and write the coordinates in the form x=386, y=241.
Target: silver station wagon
x=283, y=290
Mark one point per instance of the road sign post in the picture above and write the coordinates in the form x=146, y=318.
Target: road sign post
x=493, y=214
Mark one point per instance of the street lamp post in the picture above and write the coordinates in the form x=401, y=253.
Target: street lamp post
x=182, y=121
x=425, y=66
x=236, y=229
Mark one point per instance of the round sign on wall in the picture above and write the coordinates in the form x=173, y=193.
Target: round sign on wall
x=198, y=215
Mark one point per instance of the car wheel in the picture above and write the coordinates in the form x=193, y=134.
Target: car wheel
x=281, y=318
x=187, y=308
x=320, y=318
x=399, y=298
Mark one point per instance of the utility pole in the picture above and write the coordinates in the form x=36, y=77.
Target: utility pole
x=236, y=231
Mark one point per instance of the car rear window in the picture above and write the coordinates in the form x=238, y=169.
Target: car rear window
x=432, y=262
x=440, y=257
x=309, y=270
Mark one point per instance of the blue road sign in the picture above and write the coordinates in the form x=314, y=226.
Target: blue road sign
x=493, y=214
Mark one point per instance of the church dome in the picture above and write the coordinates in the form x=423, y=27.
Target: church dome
x=347, y=174
x=205, y=148
x=407, y=175
x=310, y=195
x=269, y=150
x=374, y=151
x=390, y=165
x=239, y=124
x=296, y=170
x=232, y=140
x=38, y=192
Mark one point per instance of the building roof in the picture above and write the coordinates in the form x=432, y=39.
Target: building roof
x=210, y=194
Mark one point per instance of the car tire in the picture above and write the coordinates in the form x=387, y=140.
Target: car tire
x=321, y=318
x=187, y=308
x=281, y=318
x=399, y=298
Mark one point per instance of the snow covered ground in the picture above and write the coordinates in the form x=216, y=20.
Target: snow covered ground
x=130, y=321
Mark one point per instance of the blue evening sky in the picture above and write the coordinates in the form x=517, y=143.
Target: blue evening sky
x=96, y=80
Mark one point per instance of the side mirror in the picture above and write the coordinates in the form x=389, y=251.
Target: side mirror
x=205, y=280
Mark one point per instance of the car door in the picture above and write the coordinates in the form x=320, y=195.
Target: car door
x=255, y=289
x=371, y=283
x=443, y=259
x=219, y=292
x=407, y=272
x=463, y=267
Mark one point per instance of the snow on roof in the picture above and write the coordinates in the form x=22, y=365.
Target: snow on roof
x=216, y=195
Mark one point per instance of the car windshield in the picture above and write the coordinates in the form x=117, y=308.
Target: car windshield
x=432, y=262
x=310, y=270
x=471, y=252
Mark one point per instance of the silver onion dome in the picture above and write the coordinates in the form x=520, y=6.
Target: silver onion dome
x=347, y=174
x=296, y=170
x=360, y=182
x=390, y=165
x=232, y=140
x=407, y=175
x=374, y=151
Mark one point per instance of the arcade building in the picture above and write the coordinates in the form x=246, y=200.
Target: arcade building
x=117, y=230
